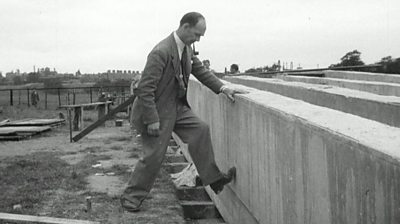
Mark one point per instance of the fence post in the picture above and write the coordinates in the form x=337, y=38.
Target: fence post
x=11, y=97
x=70, y=124
x=73, y=97
x=68, y=97
x=91, y=99
x=59, y=97
x=19, y=97
x=45, y=99
x=27, y=91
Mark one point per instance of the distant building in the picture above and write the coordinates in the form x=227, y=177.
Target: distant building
x=46, y=72
x=11, y=75
x=111, y=75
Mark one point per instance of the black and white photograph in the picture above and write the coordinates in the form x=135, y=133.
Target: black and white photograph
x=199, y=112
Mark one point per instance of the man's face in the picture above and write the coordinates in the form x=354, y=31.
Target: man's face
x=193, y=34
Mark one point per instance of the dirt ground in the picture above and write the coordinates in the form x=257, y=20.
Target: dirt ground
x=98, y=166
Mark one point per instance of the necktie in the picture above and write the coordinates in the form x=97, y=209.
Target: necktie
x=183, y=64
x=182, y=76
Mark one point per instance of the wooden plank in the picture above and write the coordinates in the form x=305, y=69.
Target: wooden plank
x=34, y=122
x=103, y=119
x=86, y=104
x=4, y=122
x=22, y=131
x=19, y=129
x=41, y=219
x=11, y=137
x=5, y=131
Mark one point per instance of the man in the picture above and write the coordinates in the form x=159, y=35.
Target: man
x=35, y=98
x=234, y=69
x=161, y=107
x=206, y=64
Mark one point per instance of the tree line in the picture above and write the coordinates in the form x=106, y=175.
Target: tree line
x=352, y=58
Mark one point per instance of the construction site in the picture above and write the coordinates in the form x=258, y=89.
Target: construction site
x=309, y=147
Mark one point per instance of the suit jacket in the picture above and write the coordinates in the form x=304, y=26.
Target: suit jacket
x=156, y=93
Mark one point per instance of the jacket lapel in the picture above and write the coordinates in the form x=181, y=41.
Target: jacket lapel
x=177, y=63
x=174, y=55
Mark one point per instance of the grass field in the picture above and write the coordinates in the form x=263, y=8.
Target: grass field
x=49, y=176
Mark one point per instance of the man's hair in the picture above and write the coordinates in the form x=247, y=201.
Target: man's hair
x=235, y=66
x=206, y=61
x=192, y=18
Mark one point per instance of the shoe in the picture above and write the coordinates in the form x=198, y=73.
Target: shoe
x=218, y=185
x=131, y=205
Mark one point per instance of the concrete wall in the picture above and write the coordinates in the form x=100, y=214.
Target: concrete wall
x=300, y=163
x=366, y=76
x=381, y=88
x=376, y=107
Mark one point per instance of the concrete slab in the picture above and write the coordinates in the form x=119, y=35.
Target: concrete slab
x=366, y=76
x=300, y=163
x=380, y=88
x=385, y=109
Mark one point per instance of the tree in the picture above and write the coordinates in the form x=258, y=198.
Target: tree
x=103, y=83
x=351, y=58
x=386, y=60
x=250, y=70
x=17, y=80
x=52, y=83
x=390, y=65
x=32, y=77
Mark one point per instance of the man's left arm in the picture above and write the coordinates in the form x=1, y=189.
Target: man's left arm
x=204, y=76
x=211, y=81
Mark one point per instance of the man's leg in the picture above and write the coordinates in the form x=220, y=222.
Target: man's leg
x=147, y=168
x=196, y=134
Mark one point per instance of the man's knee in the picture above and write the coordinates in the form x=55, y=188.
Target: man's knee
x=203, y=127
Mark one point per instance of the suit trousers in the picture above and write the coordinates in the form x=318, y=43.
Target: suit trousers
x=192, y=131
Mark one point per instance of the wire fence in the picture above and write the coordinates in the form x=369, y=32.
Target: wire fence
x=53, y=98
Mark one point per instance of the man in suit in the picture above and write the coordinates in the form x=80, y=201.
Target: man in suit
x=161, y=107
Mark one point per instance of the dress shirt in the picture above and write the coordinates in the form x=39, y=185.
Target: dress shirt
x=179, y=44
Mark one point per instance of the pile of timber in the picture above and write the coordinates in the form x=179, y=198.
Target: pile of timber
x=26, y=128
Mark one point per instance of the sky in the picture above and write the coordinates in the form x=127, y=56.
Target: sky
x=99, y=35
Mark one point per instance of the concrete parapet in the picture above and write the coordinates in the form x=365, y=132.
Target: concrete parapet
x=366, y=76
x=381, y=88
x=300, y=163
x=385, y=109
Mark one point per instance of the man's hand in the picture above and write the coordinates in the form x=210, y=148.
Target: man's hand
x=230, y=92
x=153, y=129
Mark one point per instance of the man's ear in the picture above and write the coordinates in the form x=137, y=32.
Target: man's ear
x=186, y=25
